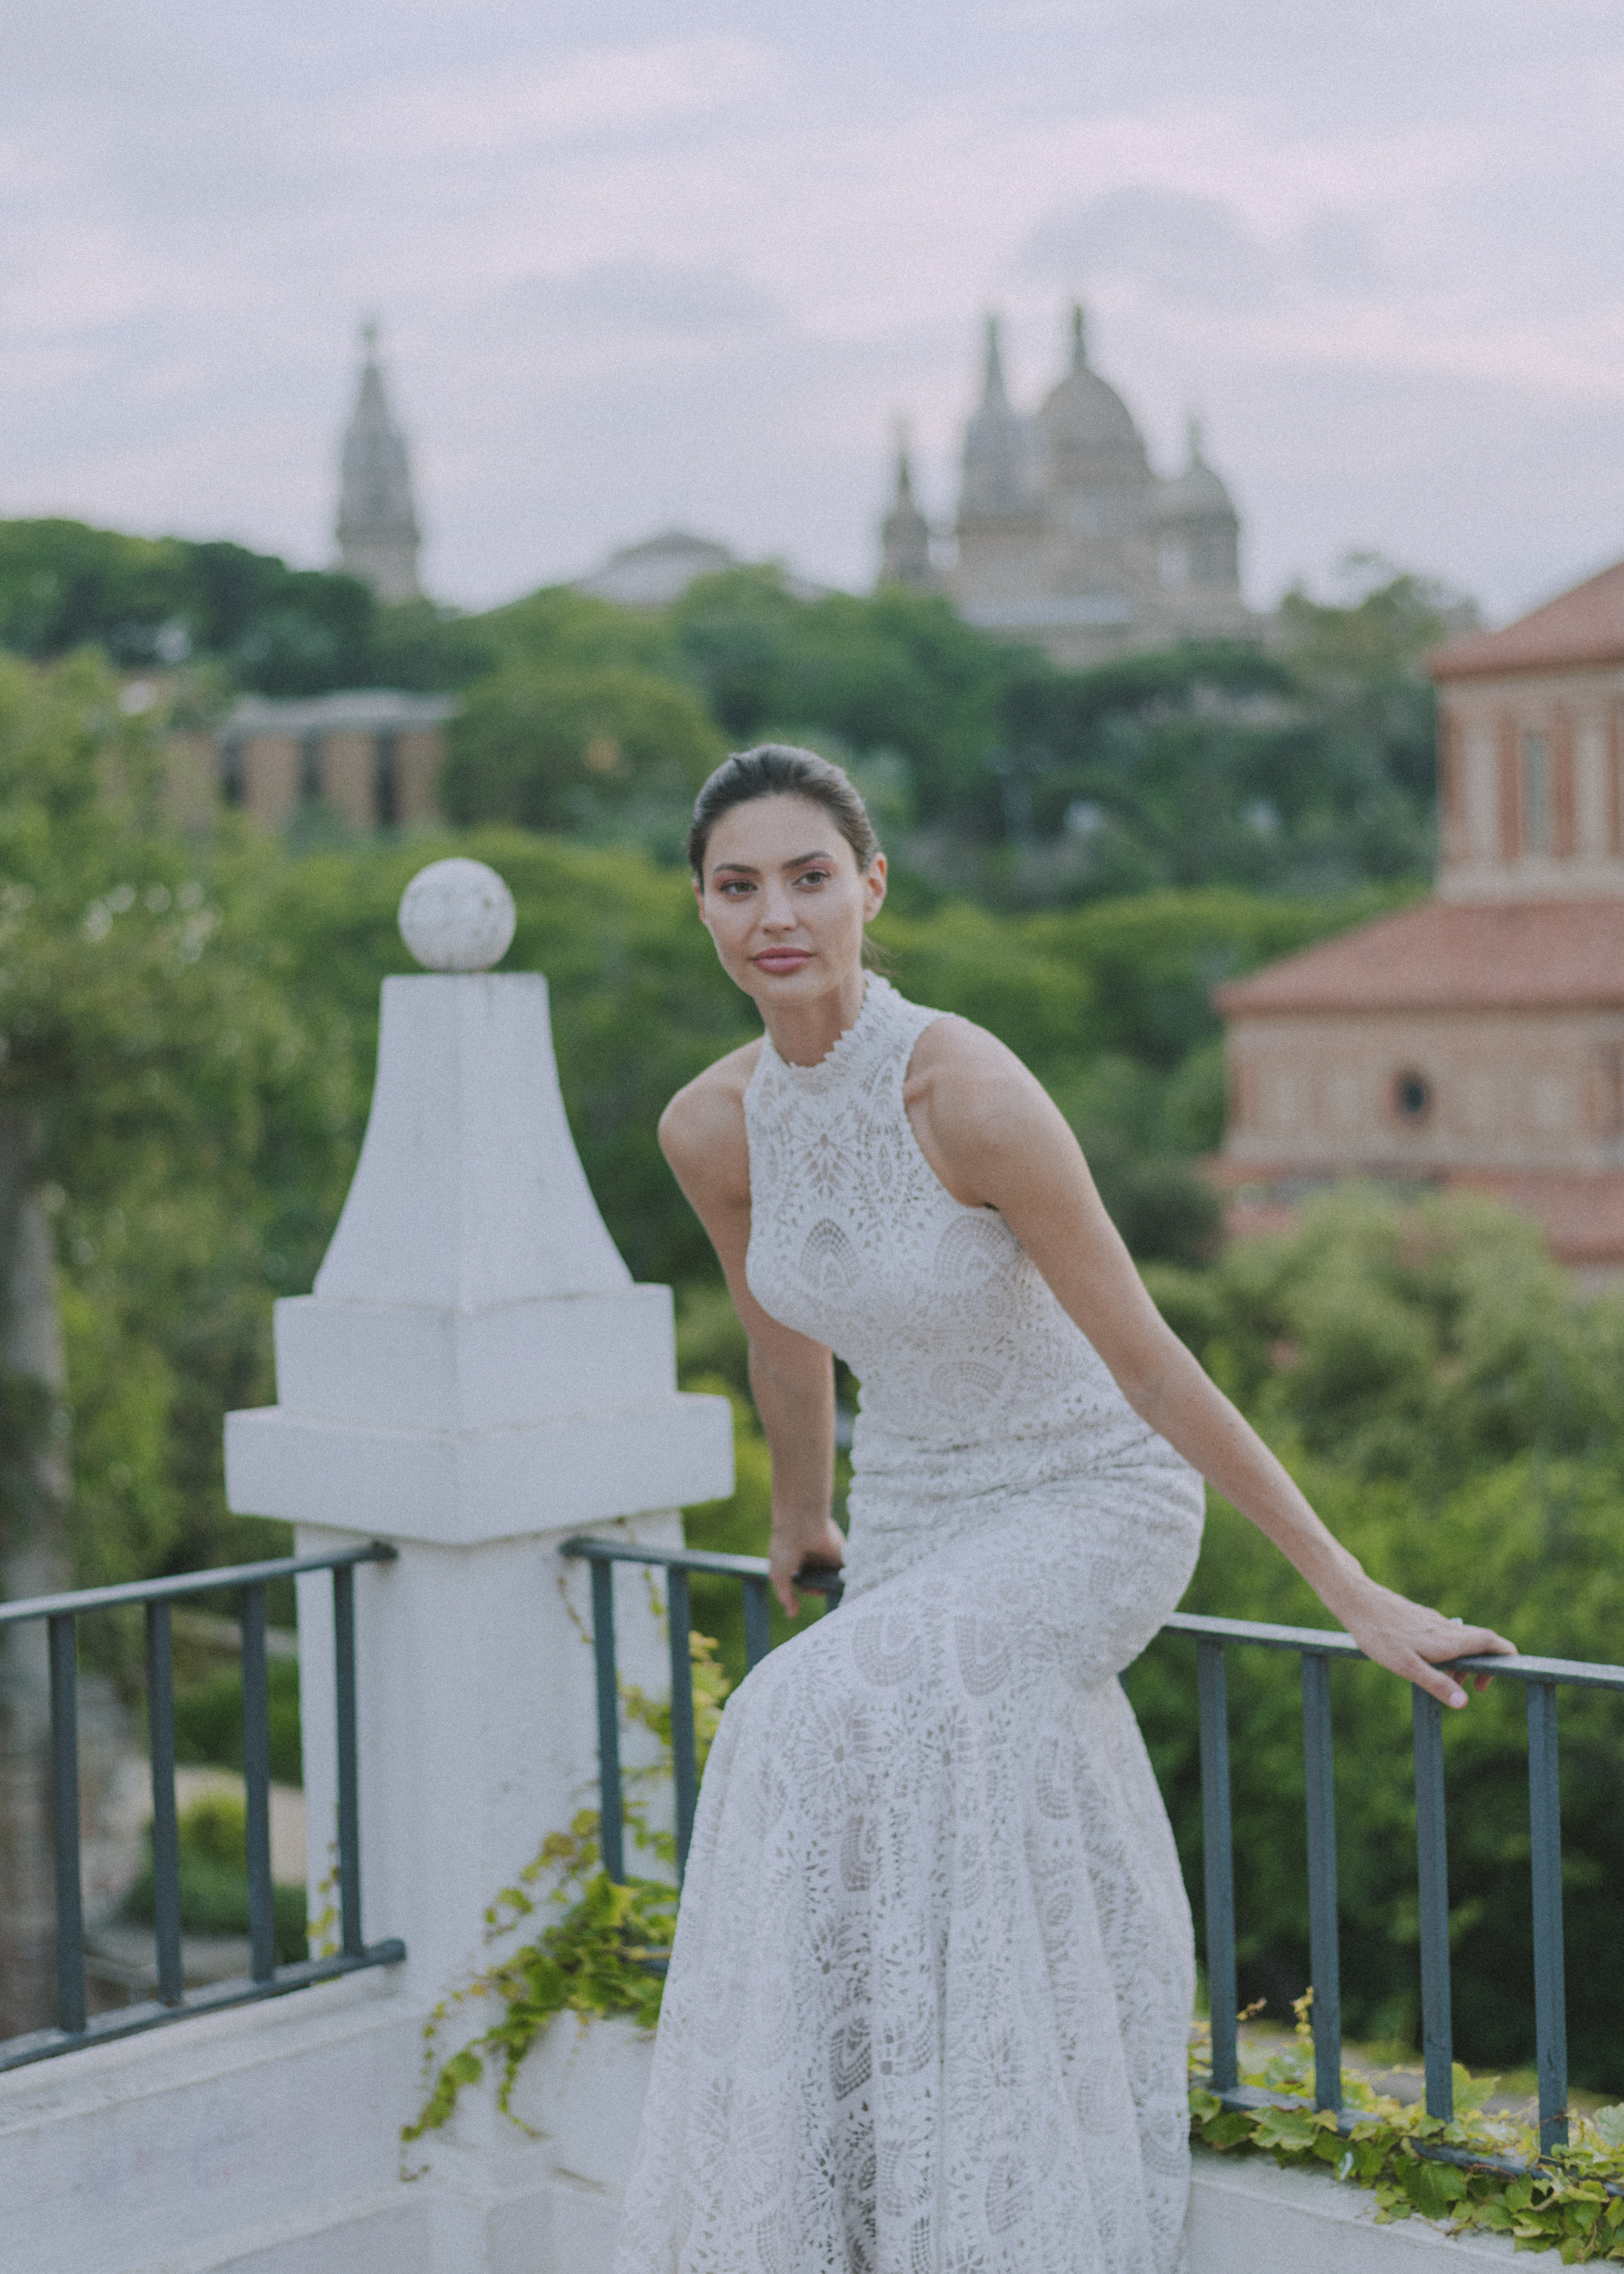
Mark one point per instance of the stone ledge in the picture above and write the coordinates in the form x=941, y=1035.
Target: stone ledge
x=1249, y=2214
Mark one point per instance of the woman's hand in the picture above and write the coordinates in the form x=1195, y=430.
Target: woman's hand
x=1409, y=1639
x=823, y=1546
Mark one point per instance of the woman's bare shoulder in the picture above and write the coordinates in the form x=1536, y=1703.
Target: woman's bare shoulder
x=705, y=1119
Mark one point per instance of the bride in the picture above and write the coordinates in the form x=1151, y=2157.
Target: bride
x=928, y=2004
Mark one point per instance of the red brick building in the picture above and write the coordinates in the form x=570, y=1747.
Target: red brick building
x=1477, y=1040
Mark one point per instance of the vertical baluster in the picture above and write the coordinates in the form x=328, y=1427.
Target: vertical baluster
x=257, y=1787
x=349, y=1787
x=165, y=1829
x=71, y=2010
x=1545, y=1808
x=757, y=1623
x=611, y=1822
x=1324, y=1957
x=1218, y=1863
x=683, y=1751
x=1432, y=1872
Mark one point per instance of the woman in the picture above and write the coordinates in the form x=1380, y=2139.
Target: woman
x=928, y=2005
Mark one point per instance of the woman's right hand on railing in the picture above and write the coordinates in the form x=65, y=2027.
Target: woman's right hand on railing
x=820, y=1544
x=1409, y=1640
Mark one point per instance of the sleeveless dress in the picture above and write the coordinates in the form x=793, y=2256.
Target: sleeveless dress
x=928, y=2004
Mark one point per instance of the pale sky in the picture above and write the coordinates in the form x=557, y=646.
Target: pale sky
x=642, y=264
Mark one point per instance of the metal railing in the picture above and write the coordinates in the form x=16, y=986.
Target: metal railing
x=676, y=1563
x=1316, y=1648
x=75, y=2025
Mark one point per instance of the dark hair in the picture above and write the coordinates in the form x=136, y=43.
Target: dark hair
x=780, y=769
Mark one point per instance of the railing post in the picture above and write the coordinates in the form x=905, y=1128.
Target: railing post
x=684, y=1760
x=165, y=1829
x=1432, y=1872
x=257, y=1787
x=757, y=1623
x=348, y=1797
x=1545, y=1808
x=610, y=1801
x=1218, y=1864
x=1324, y=1955
x=70, y=2006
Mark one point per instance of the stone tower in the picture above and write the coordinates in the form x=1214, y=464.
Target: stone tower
x=378, y=533
x=904, y=533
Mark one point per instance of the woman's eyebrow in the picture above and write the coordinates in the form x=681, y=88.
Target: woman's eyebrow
x=801, y=860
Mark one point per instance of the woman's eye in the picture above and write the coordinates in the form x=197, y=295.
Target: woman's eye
x=814, y=877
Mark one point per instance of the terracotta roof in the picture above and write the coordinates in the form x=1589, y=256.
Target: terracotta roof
x=1450, y=956
x=1584, y=625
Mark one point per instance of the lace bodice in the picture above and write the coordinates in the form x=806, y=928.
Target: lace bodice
x=975, y=1384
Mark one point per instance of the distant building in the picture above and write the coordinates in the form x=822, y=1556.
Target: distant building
x=377, y=532
x=1478, y=1040
x=1066, y=535
x=659, y=570
x=656, y=572
x=372, y=758
x=904, y=533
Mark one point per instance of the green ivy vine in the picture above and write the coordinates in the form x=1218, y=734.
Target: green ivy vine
x=1571, y=2201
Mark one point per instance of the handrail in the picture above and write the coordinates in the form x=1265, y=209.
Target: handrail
x=191, y=1582
x=1316, y=1646
x=75, y=2025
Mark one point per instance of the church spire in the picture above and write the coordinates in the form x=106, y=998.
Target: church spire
x=993, y=394
x=378, y=533
x=904, y=533
x=1080, y=337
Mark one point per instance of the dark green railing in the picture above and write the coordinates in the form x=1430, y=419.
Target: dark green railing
x=1316, y=1648
x=75, y=2025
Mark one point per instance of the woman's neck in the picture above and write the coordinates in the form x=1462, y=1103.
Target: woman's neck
x=804, y=1032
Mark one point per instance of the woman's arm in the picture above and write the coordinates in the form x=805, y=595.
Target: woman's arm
x=792, y=1378
x=997, y=1139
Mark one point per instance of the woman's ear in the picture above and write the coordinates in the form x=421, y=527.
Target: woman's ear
x=874, y=887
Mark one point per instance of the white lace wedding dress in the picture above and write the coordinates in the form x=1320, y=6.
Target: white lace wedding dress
x=927, y=2007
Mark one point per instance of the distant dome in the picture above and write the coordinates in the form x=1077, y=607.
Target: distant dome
x=1085, y=416
x=1197, y=493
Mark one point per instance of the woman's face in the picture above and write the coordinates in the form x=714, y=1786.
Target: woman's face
x=783, y=899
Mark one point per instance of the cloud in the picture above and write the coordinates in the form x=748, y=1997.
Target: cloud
x=1176, y=246
x=647, y=295
x=600, y=91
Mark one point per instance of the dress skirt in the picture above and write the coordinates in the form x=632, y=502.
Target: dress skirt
x=930, y=2002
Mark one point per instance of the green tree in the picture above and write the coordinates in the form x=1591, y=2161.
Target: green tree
x=1453, y=1413
x=567, y=746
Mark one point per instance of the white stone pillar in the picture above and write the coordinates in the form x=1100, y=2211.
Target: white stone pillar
x=474, y=1378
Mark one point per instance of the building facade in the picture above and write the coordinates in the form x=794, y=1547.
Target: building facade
x=1477, y=1040
x=378, y=533
x=372, y=758
x=1068, y=538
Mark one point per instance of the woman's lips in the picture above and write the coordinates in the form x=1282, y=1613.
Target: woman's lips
x=783, y=958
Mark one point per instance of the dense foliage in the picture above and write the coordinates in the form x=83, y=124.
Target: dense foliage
x=1454, y=1413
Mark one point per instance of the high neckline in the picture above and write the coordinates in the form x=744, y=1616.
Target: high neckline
x=845, y=1046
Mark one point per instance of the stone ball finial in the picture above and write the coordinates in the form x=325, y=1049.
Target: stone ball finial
x=457, y=915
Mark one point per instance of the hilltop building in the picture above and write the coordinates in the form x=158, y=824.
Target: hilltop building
x=1066, y=535
x=1477, y=1040
x=659, y=570
x=372, y=757
x=904, y=533
x=377, y=532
